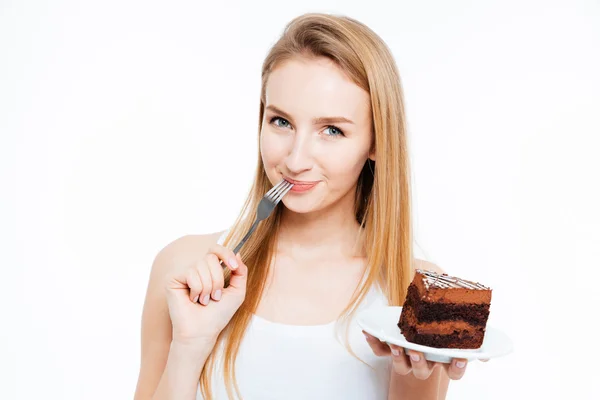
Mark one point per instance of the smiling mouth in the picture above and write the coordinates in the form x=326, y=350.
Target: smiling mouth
x=301, y=186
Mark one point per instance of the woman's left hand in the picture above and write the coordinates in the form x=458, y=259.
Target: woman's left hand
x=414, y=362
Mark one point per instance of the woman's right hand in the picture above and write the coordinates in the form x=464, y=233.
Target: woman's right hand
x=199, y=307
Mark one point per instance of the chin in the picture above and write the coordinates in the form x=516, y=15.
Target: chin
x=301, y=204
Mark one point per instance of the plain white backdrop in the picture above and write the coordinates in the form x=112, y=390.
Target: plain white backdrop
x=126, y=124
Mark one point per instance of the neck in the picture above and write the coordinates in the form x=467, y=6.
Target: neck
x=332, y=231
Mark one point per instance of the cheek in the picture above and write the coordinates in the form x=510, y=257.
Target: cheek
x=344, y=165
x=272, y=149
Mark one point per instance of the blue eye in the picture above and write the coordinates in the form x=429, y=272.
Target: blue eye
x=333, y=131
x=280, y=122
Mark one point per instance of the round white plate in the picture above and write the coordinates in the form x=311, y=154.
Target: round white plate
x=382, y=322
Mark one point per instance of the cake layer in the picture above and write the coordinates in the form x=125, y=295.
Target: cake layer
x=445, y=289
x=408, y=318
x=428, y=311
x=456, y=340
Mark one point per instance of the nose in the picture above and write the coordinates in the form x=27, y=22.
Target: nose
x=299, y=158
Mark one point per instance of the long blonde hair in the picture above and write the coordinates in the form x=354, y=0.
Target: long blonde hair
x=383, y=191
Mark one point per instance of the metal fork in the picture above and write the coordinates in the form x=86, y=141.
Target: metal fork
x=266, y=206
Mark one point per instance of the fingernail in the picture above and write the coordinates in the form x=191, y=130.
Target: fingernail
x=395, y=352
x=367, y=335
x=196, y=299
x=461, y=364
x=415, y=357
x=217, y=295
x=233, y=263
x=205, y=299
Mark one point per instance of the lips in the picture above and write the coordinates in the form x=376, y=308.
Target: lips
x=301, y=186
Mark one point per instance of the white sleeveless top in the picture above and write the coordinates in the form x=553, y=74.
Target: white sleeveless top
x=296, y=362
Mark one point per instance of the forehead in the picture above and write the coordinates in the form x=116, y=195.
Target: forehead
x=316, y=87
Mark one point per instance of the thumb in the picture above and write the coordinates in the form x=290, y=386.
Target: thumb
x=238, y=279
x=184, y=285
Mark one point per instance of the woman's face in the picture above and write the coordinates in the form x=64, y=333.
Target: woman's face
x=316, y=132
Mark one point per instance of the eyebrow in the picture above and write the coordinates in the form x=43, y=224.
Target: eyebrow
x=319, y=120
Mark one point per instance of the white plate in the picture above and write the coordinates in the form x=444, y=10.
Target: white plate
x=382, y=322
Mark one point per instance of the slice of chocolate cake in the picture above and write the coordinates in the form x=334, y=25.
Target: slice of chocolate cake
x=444, y=311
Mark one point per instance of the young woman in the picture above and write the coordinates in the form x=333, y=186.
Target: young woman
x=278, y=321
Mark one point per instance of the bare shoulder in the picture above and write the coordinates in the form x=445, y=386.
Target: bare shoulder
x=183, y=252
x=427, y=266
x=156, y=332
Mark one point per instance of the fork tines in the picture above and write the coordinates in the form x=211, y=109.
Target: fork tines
x=278, y=191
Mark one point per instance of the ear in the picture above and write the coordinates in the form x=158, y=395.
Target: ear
x=372, y=154
x=372, y=150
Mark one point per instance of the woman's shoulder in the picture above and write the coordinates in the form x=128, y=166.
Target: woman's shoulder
x=185, y=250
x=426, y=265
x=177, y=255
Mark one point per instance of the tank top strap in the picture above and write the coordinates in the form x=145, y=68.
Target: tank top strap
x=221, y=239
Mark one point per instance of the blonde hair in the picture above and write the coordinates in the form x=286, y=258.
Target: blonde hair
x=383, y=191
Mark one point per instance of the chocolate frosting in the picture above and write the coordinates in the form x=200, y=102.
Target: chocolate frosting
x=434, y=287
x=444, y=281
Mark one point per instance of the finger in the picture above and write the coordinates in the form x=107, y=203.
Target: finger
x=379, y=348
x=401, y=363
x=225, y=254
x=203, y=270
x=239, y=276
x=456, y=369
x=217, y=277
x=421, y=368
x=193, y=281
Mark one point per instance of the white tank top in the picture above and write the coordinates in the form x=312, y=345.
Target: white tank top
x=296, y=362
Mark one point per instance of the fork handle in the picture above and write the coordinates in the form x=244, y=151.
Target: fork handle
x=252, y=228
x=239, y=246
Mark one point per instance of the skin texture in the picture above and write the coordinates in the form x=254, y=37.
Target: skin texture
x=317, y=130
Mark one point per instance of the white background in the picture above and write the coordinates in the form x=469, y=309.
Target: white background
x=126, y=124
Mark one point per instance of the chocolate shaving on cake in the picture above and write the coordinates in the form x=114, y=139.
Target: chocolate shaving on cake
x=446, y=282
